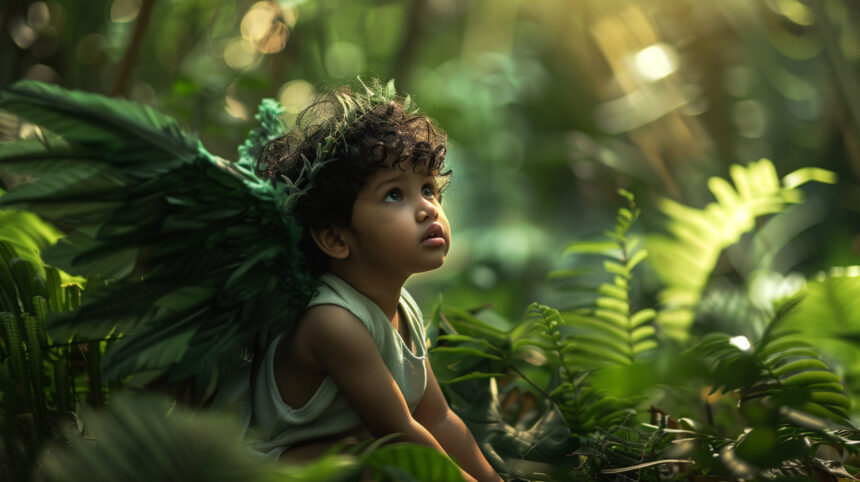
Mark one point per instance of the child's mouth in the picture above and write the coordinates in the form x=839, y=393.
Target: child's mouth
x=433, y=236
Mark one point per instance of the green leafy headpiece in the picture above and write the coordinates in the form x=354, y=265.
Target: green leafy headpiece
x=285, y=191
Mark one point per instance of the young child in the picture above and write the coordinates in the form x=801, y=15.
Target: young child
x=355, y=362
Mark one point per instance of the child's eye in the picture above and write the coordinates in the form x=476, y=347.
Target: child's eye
x=393, y=196
x=429, y=190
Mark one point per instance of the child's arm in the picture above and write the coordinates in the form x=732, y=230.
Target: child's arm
x=434, y=414
x=343, y=347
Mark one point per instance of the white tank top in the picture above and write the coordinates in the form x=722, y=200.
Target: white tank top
x=327, y=413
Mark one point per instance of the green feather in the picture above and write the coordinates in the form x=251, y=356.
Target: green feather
x=122, y=129
x=204, y=262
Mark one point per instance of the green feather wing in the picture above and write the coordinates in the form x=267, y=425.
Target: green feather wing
x=205, y=266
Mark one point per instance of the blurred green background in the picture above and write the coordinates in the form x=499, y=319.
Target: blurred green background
x=550, y=106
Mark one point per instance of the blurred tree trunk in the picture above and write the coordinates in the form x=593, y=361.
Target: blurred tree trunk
x=405, y=56
x=10, y=67
x=129, y=59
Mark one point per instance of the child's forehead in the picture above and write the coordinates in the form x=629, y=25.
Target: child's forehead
x=403, y=169
x=391, y=173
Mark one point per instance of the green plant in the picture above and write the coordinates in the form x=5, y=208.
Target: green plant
x=770, y=402
x=787, y=404
x=144, y=437
x=686, y=257
x=37, y=384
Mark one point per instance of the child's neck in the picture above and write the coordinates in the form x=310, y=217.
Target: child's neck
x=382, y=289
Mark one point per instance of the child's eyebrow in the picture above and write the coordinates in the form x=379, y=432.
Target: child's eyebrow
x=388, y=180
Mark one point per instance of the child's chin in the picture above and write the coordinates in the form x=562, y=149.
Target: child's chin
x=433, y=266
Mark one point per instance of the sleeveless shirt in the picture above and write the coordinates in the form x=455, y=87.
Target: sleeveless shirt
x=328, y=413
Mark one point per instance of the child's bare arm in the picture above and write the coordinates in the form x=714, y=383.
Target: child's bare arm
x=434, y=414
x=344, y=348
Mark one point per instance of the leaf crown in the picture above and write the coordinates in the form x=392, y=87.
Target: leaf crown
x=327, y=126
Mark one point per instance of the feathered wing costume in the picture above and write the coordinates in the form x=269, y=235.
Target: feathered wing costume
x=203, y=252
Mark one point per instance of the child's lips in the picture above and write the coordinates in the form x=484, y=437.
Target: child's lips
x=434, y=236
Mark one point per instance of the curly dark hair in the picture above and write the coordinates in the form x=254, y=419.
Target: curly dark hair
x=370, y=130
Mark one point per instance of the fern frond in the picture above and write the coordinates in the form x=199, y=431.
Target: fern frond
x=686, y=256
x=826, y=313
x=608, y=331
x=781, y=366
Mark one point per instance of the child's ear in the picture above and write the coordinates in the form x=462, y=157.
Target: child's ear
x=331, y=241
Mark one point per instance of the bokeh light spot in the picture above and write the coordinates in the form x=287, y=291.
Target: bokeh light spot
x=741, y=342
x=793, y=10
x=750, y=118
x=290, y=16
x=344, y=59
x=236, y=108
x=656, y=61
x=89, y=48
x=240, y=54
x=143, y=93
x=22, y=34
x=122, y=11
x=265, y=27
x=42, y=72
x=483, y=277
x=739, y=81
x=38, y=15
x=295, y=95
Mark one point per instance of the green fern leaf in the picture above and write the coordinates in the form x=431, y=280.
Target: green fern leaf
x=685, y=258
x=642, y=316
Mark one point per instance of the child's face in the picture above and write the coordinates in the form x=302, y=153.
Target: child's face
x=398, y=222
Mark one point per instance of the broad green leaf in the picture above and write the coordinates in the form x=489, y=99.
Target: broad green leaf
x=415, y=461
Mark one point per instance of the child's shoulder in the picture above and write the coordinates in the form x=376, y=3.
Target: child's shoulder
x=325, y=317
x=326, y=326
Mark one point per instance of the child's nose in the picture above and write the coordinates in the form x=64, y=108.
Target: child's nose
x=426, y=209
